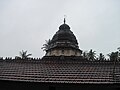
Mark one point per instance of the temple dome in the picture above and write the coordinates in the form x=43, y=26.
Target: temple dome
x=64, y=38
x=63, y=43
x=64, y=34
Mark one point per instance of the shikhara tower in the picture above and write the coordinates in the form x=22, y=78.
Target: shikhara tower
x=63, y=43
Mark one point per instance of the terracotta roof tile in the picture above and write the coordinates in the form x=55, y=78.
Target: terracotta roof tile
x=59, y=72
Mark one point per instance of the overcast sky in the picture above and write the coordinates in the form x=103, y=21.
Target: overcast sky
x=26, y=24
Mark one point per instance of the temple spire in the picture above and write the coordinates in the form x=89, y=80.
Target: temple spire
x=64, y=19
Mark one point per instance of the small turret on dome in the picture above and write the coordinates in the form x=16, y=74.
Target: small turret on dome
x=64, y=26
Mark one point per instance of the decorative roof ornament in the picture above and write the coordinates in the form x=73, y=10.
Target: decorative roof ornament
x=65, y=18
x=64, y=26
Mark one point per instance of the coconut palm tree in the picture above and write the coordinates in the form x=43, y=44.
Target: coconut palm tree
x=24, y=55
x=46, y=45
x=118, y=53
x=91, y=55
x=113, y=56
x=101, y=57
x=118, y=48
x=85, y=55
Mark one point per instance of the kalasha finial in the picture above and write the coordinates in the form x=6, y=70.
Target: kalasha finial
x=64, y=19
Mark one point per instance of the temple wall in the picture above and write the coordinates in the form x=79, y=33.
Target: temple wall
x=66, y=52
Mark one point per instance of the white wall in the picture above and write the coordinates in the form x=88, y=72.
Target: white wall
x=65, y=52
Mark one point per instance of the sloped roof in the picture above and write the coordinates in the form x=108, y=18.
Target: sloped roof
x=59, y=71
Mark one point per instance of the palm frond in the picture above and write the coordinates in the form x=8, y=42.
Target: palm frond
x=28, y=55
x=46, y=45
x=24, y=55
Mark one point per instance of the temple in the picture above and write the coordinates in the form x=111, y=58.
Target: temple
x=63, y=43
x=62, y=68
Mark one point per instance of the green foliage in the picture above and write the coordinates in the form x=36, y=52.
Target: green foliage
x=23, y=55
x=113, y=56
x=46, y=45
x=91, y=55
x=101, y=57
x=85, y=55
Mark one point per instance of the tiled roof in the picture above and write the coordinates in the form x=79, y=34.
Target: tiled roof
x=59, y=71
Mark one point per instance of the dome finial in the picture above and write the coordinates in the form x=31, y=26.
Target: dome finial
x=64, y=19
